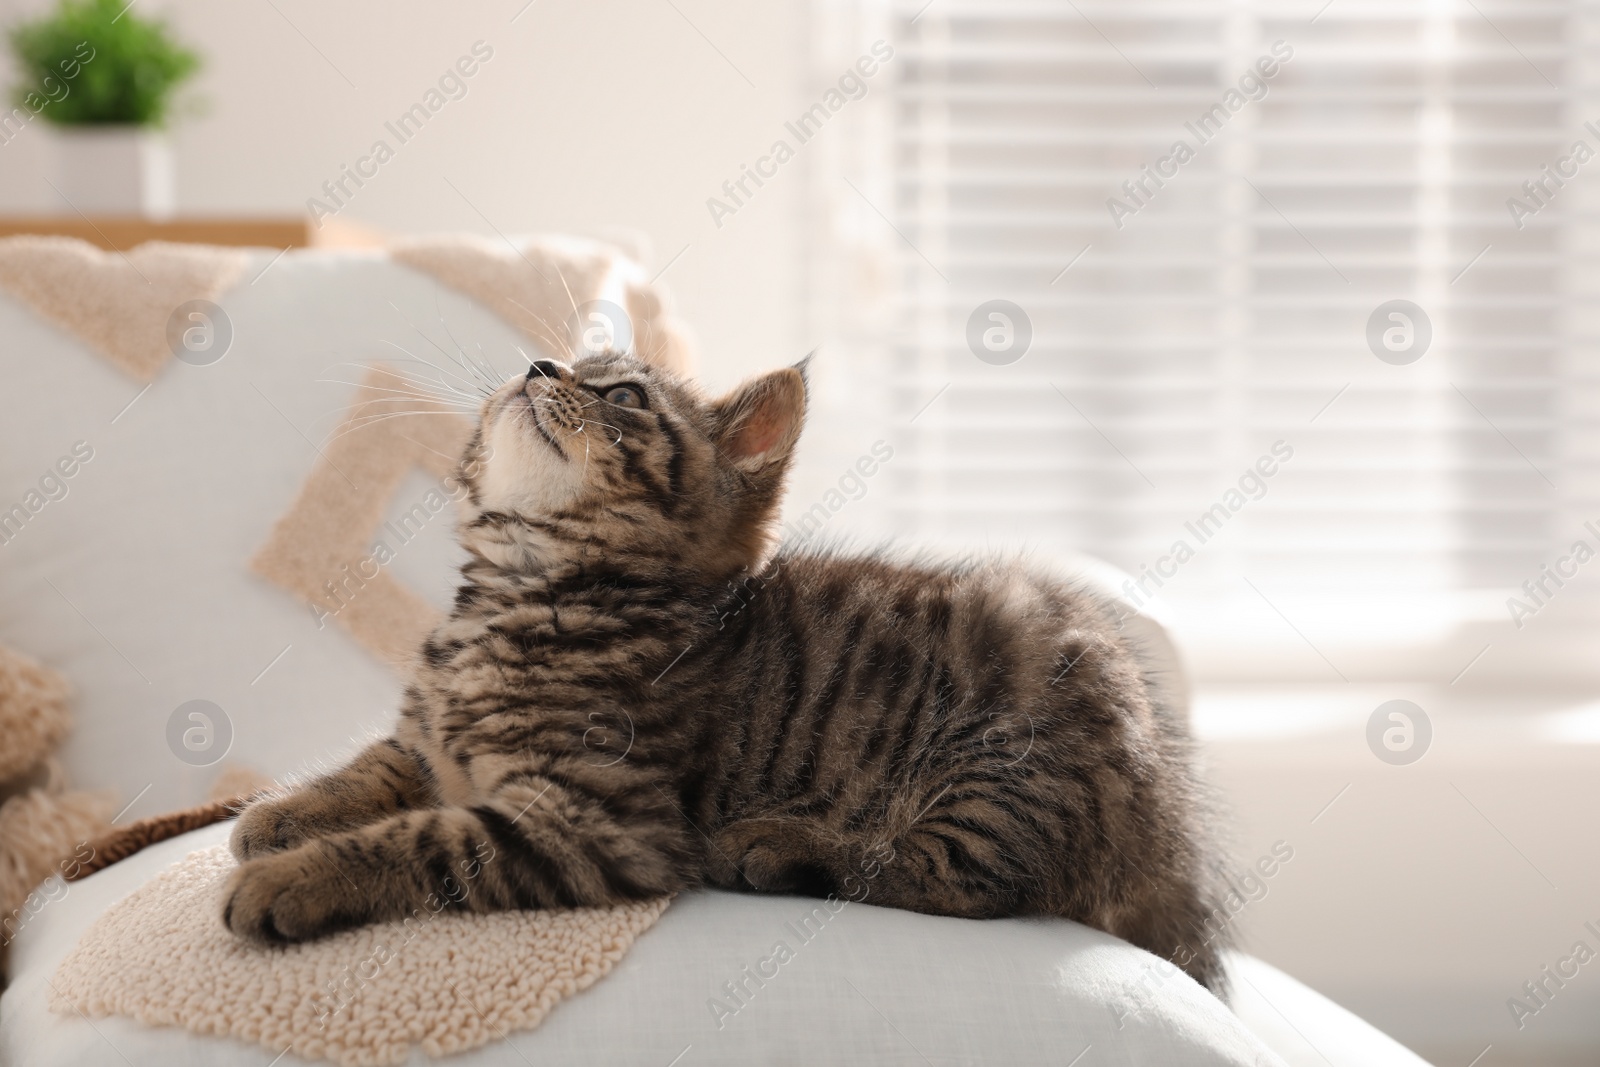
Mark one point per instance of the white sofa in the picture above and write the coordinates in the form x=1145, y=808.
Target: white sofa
x=134, y=580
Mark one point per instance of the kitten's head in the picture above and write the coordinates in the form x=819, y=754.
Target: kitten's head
x=616, y=464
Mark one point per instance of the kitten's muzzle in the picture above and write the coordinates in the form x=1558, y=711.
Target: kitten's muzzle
x=553, y=400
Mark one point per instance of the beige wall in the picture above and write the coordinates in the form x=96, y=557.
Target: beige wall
x=1421, y=897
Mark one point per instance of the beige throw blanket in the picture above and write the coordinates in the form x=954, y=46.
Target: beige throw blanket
x=448, y=982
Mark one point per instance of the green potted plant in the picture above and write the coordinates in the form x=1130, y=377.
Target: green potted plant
x=104, y=79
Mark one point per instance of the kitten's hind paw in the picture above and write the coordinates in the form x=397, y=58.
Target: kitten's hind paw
x=773, y=855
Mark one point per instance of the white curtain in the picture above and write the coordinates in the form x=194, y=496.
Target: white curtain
x=1311, y=347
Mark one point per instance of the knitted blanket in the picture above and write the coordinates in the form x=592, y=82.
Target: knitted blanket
x=448, y=982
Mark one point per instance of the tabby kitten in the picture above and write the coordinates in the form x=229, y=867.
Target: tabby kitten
x=630, y=698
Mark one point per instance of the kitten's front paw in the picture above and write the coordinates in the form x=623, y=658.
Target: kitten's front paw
x=265, y=827
x=282, y=898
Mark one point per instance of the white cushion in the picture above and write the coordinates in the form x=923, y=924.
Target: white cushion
x=870, y=986
x=136, y=585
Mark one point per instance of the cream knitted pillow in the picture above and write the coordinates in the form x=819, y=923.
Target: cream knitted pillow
x=448, y=982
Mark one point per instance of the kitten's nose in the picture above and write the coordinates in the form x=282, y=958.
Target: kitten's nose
x=549, y=368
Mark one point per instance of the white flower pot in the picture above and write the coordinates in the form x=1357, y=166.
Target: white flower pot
x=115, y=170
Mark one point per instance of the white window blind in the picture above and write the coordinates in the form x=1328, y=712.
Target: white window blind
x=1188, y=328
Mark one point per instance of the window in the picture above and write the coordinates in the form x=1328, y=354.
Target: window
x=1206, y=213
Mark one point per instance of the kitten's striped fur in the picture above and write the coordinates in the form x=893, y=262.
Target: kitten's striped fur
x=629, y=699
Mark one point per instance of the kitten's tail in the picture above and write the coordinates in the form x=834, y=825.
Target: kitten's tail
x=124, y=841
x=1193, y=926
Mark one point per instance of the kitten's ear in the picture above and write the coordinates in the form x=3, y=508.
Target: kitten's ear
x=759, y=422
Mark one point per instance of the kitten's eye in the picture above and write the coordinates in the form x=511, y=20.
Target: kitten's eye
x=625, y=396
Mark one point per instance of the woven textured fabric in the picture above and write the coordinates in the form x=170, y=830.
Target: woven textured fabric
x=119, y=303
x=447, y=982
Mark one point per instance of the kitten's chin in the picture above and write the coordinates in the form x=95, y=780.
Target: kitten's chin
x=527, y=473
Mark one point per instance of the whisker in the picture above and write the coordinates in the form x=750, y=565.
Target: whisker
x=420, y=392
x=538, y=320
x=608, y=426
x=362, y=421
x=343, y=412
x=465, y=406
x=643, y=350
x=365, y=421
x=550, y=334
x=435, y=404
x=435, y=451
x=560, y=274
x=492, y=379
x=483, y=357
x=460, y=357
x=385, y=366
x=472, y=386
x=469, y=382
x=439, y=386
